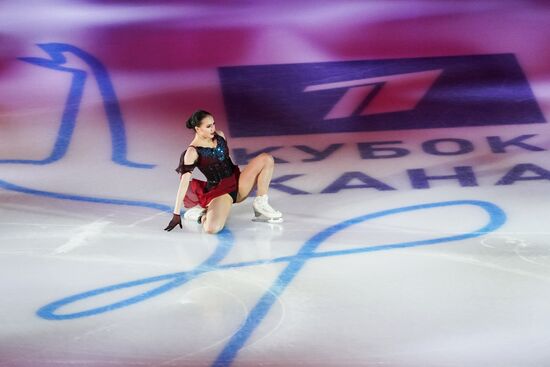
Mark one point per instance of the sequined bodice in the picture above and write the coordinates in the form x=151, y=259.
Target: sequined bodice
x=214, y=163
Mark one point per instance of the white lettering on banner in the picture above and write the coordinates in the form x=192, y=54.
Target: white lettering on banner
x=419, y=178
x=394, y=149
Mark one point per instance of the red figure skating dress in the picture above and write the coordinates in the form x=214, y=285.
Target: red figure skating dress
x=221, y=174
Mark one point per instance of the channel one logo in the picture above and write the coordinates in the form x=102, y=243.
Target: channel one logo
x=376, y=95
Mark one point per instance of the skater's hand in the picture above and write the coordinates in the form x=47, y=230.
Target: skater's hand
x=176, y=219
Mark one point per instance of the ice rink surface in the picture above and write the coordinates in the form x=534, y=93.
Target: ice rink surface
x=409, y=246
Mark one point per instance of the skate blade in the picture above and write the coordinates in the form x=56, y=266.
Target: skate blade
x=257, y=214
x=267, y=220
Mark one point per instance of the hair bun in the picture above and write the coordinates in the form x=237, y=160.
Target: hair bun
x=196, y=118
x=189, y=123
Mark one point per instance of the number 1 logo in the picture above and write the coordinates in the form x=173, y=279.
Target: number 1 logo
x=391, y=93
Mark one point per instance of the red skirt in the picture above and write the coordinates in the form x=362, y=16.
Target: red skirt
x=198, y=195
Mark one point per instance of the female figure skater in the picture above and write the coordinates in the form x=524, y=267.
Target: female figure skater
x=226, y=184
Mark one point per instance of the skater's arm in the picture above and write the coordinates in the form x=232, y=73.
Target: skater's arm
x=182, y=189
x=185, y=168
x=189, y=160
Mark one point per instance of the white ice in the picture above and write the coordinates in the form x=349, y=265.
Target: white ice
x=312, y=291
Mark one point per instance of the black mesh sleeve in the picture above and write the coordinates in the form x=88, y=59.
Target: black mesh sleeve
x=184, y=168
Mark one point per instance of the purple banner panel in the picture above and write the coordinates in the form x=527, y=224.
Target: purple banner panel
x=375, y=95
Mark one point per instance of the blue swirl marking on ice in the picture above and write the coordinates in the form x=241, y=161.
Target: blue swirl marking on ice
x=307, y=252
x=173, y=281
x=57, y=51
x=90, y=199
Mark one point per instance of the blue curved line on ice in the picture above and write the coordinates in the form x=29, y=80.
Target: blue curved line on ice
x=497, y=218
x=72, y=105
x=90, y=199
x=225, y=244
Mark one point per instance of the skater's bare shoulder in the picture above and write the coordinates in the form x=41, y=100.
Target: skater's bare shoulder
x=191, y=155
x=220, y=133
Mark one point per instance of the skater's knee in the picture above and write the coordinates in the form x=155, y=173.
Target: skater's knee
x=212, y=228
x=267, y=159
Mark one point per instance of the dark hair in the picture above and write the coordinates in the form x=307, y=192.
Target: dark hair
x=196, y=118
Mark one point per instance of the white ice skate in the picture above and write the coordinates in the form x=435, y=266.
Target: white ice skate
x=194, y=214
x=263, y=212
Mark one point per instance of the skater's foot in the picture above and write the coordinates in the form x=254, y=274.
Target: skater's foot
x=194, y=214
x=262, y=210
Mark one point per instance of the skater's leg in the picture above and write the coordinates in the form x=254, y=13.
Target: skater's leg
x=259, y=171
x=217, y=213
